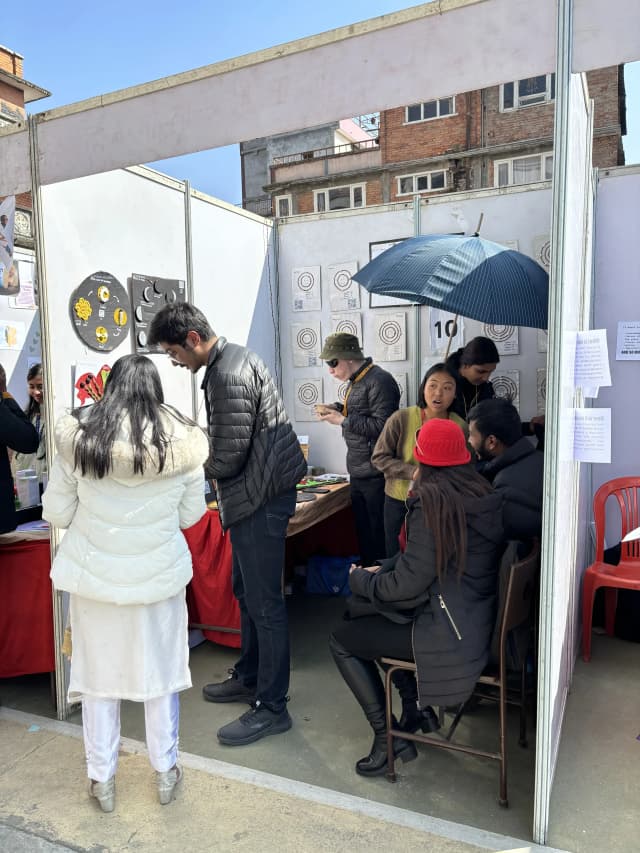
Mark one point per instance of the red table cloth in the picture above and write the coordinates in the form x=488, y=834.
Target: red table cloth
x=26, y=609
x=210, y=596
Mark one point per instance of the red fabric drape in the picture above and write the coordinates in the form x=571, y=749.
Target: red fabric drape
x=210, y=597
x=26, y=609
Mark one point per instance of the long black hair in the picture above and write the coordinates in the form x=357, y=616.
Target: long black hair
x=441, y=492
x=133, y=390
x=33, y=406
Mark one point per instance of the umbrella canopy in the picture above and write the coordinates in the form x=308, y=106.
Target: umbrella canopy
x=464, y=275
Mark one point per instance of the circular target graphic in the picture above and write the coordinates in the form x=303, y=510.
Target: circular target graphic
x=342, y=280
x=307, y=339
x=544, y=254
x=390, y=332
x=504, y=386
x=348, y=326
x=308, y=394
x=543, y=389
x=498, y=333
x=305, y=281
x=342, y=391
x=99, y=311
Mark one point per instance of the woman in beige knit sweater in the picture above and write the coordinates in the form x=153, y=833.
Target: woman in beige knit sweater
x=393, y=453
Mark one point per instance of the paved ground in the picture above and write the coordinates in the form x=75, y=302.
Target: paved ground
x=44, y=807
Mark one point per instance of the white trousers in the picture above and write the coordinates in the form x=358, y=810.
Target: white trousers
x=101, y=729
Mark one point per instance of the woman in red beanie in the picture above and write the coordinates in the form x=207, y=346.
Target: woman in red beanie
x=435, y=603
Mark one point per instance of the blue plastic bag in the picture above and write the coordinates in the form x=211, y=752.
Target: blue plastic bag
x=329, y=575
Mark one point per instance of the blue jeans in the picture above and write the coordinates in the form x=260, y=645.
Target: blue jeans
x=258, y=558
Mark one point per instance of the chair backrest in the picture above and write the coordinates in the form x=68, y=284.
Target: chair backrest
x=626, y=491
x=520, y=594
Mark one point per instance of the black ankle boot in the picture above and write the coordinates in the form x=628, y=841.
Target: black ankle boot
x=375, y=764
x=363, y=679
x=414, y=718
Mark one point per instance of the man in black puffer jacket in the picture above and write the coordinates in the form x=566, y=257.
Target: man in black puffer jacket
x=511, y=464
x=372, y=396
x=255, y=461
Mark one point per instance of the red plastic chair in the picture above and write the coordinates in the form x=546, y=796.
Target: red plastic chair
x=626, y=575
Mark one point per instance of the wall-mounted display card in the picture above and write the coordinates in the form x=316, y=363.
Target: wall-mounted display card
x=305, y=289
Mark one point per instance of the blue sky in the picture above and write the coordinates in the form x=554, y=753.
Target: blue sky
x=77, y=50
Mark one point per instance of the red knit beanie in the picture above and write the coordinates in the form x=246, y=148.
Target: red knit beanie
x=441, y=443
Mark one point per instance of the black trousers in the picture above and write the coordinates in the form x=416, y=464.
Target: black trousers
x=373, y=637
x=395, y=512
x=258, y=559
x=367, y=502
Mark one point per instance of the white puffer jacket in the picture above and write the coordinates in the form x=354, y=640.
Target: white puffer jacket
x=124, y=544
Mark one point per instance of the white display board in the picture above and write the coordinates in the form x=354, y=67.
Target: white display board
x=508, y=215
x=566, y=511
x=121, y=223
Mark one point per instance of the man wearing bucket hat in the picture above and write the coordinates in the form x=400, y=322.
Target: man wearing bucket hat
x=434, y=603
x=372, y=395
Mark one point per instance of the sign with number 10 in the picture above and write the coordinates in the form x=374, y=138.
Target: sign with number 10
x=442, y=327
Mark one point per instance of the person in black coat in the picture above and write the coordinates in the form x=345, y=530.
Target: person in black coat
x=472, y=366
x=372, y=397
x=435, y=603
x=256, y=462
x=511, y=463
x=16, y=433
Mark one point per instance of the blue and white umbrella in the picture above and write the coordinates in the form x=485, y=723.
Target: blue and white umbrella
x=468, y=276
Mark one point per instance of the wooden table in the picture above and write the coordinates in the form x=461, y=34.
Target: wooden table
x=212, y=606
x=313, y=512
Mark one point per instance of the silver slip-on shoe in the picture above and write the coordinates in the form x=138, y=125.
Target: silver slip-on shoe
x=104, y=793
x=167, y=783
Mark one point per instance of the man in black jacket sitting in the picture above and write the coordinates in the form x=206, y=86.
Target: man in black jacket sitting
x=255, y=460
x=510, y=463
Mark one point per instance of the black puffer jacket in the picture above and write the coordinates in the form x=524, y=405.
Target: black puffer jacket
x=373, y=395
x=517, y=475
x=17, y=433
x=255, y=454
x=452, y=631
x=467, y=395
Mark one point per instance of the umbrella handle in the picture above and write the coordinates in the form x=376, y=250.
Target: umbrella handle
x=455, y=323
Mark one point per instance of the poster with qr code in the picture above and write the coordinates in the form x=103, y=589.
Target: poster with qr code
x=305, y=289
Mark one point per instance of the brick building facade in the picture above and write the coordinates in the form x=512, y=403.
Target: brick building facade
x=15, y=94
x=499, y=136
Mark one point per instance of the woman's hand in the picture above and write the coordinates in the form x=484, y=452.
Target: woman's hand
x=372, y=569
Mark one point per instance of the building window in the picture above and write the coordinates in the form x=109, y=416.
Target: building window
x=339, y=198
x=283, y=205
x=523, y=170
x=422, y=182
x=526, y=93
x=430, y=109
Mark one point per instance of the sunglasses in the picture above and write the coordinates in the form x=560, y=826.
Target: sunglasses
x=333, y=362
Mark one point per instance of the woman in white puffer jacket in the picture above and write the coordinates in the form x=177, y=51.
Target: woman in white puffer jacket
x=127, y=478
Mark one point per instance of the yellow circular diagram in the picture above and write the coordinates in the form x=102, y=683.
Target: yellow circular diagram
x=100, y=311
x=83, y=308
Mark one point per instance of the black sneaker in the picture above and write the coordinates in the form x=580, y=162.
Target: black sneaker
x=254, y=724
x=230, y=690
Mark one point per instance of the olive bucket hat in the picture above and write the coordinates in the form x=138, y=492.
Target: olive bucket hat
x=342, y=345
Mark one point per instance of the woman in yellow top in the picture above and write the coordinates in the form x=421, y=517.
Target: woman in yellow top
x=393, y=453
